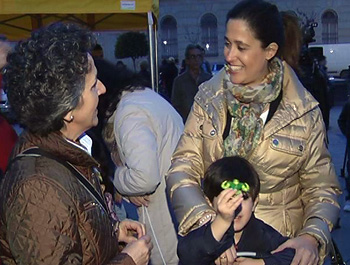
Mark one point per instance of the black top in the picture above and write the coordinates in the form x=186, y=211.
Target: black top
x=199, y=247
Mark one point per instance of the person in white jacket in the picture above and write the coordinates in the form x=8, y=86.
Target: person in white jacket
x=142, y=132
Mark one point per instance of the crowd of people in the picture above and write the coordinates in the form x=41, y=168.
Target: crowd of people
x=96, y=134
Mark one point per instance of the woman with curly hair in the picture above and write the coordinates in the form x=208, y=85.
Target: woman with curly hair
x=52, y=208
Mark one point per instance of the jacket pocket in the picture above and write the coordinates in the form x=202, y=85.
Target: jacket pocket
x=286, y=144
x=207, y=130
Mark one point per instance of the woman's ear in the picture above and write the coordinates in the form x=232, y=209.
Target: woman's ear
x=271, y=50
x=69, y=117
x=255, y=203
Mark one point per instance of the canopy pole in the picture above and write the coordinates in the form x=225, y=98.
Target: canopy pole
x=156, y=57
x=152, y=49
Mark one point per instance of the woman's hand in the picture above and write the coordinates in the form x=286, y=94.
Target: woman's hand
x=306, y=249
x=139, y=200
x=139, y=250
x=228, y=257
x=128, y=229
x=118, y=197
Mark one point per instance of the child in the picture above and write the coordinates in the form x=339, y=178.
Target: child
x=234, y=223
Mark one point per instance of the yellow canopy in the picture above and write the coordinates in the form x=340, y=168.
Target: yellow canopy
x=19, y=17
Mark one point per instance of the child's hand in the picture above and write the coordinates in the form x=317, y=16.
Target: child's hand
x=226, y=204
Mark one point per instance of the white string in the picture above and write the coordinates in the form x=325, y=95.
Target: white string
x=145, y=211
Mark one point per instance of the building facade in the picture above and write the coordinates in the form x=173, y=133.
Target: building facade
x=182, y=22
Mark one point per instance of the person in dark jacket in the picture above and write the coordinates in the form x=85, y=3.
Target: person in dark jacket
x=52, y=206
x=185, y=86
x=235, y=227
x=8, y=138
x=8, y=135
x=344, y=125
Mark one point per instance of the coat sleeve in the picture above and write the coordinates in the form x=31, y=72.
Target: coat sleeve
x=199, y=247
x=183, y=179
x=275, y=239
x=42, y=229
x=320, y=187
x=137, y=143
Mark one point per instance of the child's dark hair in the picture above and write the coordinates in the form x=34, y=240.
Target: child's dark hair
x=230, y=168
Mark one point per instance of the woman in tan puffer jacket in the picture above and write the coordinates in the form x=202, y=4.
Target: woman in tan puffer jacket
x=257, y=108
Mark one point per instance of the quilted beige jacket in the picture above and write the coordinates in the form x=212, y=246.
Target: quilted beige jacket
x=299, y=187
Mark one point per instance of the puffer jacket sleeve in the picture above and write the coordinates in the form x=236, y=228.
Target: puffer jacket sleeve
x=183, y=179
x=137, y=143
x=41, y=228
x=320, y=187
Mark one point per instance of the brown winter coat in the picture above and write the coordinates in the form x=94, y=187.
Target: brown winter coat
x=47, y=216
x=299, y=186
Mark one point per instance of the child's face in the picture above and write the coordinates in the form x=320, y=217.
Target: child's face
x=243, y=216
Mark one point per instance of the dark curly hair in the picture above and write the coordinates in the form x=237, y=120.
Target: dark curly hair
x=45, y=75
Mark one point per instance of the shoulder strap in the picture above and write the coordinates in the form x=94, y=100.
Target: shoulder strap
x=73, y=170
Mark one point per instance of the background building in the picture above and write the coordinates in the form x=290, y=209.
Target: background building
x=203, y=22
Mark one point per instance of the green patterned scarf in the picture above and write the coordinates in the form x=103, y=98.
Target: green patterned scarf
x=246, y=104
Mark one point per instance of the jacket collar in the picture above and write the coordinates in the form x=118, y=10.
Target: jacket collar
x=295, y=103
x=57, y=145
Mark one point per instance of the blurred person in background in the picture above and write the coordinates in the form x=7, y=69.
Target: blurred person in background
x=145, y=74
x=97, y=51
x=185, y=86
x=169, y=72
x=205, y=65
x=8, y=135
x=344, y=125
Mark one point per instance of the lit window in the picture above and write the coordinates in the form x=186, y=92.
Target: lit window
x=209, y=30
x=168, y=36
